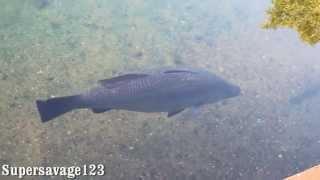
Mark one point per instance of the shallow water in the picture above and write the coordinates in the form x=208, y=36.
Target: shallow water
x=57, y=48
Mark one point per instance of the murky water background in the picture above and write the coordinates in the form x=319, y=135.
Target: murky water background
x=56, y=48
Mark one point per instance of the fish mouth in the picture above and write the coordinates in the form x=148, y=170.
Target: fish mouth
x=235, y=91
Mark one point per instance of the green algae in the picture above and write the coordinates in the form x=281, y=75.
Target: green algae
x=301, y=15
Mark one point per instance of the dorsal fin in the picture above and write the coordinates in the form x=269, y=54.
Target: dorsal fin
x=178, y=71
x=112, y=82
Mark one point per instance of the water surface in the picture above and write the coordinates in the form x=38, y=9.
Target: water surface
x=57, y=48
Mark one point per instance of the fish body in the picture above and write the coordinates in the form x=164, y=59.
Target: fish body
x=310, y=92
x=167, y=91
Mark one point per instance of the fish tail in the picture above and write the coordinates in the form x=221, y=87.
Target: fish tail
x=54, y=107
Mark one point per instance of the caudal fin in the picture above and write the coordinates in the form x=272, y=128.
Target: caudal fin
x=55, y=107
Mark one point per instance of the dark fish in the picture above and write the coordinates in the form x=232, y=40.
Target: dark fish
x=168, y=91
x=310, y=92
x=41, y=4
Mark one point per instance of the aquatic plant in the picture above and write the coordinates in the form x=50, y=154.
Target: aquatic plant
x=301, y=15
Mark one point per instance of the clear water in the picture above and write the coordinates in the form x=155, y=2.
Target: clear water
x=61, y=47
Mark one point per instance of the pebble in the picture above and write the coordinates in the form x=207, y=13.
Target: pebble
x=40, y=72
x=221, y=69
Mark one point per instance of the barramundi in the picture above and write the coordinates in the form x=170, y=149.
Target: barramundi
x=169, y=91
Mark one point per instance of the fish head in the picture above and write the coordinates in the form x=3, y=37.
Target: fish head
x=218, y=89
x=202, y=87
x=227, y=90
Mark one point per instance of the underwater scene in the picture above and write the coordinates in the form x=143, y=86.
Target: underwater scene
x=155, y=90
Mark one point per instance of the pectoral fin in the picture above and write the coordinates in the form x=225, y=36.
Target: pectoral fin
x=97, y=110
x=172, y=113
